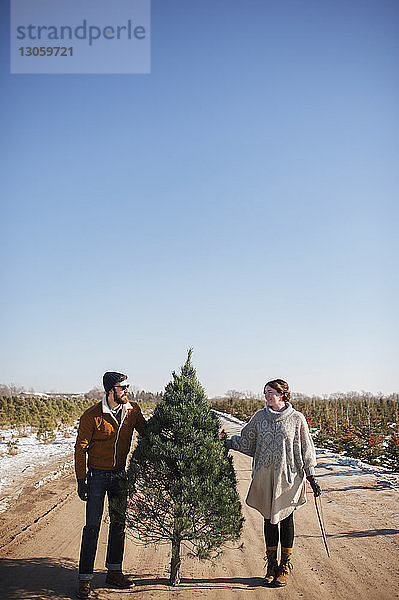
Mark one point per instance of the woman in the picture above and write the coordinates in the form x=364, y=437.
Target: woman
x=278, y=439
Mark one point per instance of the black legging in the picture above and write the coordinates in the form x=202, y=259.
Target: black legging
x=286, y=532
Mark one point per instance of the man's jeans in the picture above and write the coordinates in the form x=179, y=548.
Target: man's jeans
x=114, y=483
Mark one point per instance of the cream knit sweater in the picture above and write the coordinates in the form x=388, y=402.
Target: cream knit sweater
x=283, y=453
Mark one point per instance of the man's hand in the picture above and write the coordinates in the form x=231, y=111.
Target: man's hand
x=314, y=485
x=83, y=490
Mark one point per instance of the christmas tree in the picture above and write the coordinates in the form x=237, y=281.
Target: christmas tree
x=181, y=480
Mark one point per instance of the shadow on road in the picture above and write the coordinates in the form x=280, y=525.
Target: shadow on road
x=198, y=584
x=346, y=473
x=355, y=534
x=366, y=533
x=37, y=578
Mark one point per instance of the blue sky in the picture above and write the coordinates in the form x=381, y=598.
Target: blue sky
x=241, y=199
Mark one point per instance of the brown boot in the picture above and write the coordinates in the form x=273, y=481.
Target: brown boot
x=118, y=580
x=272, y=565
x=284, y=568
x=83, y=590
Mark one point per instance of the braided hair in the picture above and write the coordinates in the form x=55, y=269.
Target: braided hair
x=281, y=387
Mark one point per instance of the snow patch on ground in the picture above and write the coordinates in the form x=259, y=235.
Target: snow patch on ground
x=355, y=466
x=230, y=418
x=55, y=474
x=30, y=454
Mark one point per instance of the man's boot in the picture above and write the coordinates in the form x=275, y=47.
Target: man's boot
x=83, y=589
x=272, y=565
x=284, y=568
x=117, y=579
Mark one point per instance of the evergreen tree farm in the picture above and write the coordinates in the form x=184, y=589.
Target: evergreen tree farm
x=182, y=482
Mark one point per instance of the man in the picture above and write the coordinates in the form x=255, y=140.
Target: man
x=105, y=434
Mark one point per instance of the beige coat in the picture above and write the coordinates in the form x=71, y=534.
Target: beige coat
x=283, y=454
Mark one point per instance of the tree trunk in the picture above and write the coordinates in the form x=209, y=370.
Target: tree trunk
x=175, y=561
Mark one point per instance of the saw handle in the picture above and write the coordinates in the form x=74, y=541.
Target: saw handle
x=314, y=485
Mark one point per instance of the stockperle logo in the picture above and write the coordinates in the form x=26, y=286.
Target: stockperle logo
x=80, y=36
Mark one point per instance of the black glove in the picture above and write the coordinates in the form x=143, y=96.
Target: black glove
x=314, y=485
x=83, y=490
x=228, y=444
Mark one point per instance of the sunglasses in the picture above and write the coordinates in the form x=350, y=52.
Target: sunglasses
x=123, y=387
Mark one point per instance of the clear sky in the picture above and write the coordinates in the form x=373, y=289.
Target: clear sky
x=240, y=199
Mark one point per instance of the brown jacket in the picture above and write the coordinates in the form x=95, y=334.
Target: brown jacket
x=100, y=436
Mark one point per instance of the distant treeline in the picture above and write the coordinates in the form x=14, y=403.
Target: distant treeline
x=360, y=425
x=55, y=411
x=19, y=411
x=46, y=414
x=134, y=394
x=95, y=394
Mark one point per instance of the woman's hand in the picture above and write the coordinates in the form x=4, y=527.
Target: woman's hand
x=314, y=485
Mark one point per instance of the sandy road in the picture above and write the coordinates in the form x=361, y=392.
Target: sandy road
x=362, y=522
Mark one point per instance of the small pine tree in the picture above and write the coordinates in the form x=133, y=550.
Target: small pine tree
x=392, y=451
x=182, y=482
x=349, y=440
x=12, y=446
x=45, y=431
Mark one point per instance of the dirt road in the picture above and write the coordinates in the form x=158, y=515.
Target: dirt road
x=40, y=539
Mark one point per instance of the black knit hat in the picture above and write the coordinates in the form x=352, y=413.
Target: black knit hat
x=111, y=378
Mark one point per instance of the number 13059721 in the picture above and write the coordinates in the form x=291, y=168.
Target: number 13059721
x=46, y=51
